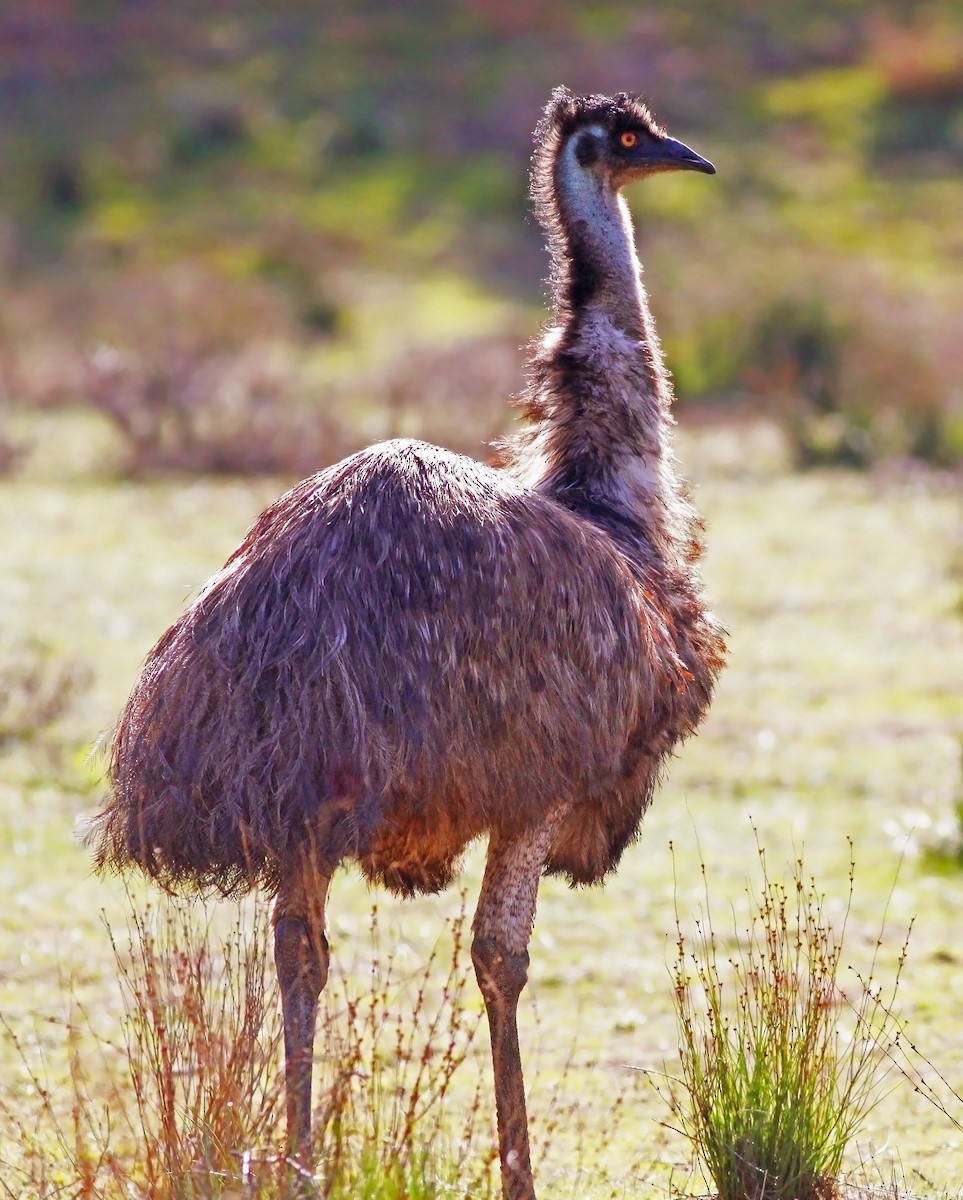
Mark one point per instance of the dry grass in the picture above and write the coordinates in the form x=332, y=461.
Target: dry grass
x=192, y=1087
x=189, y=1103
x=384, y=1112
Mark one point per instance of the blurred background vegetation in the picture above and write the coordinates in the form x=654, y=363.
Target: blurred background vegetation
x=245, y=237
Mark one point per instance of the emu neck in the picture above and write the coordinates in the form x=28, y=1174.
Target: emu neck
x=599, y=273
x=599, y=396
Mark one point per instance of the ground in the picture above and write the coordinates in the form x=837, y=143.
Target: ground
x=838, y=720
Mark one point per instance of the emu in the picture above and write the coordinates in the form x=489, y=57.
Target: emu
x=410, y=650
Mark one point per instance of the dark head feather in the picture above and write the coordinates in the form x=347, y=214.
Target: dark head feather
x=565, y=113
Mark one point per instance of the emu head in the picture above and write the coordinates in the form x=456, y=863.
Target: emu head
x=615, y=139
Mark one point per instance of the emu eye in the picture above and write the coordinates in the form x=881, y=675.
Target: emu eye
x=628, y=139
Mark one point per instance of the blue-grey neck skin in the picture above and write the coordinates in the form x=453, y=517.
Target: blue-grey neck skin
x=600, y=273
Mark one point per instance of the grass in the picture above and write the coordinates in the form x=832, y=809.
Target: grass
x=187, y=1102
x=159, y=1105
x=783, y=1053
x=839, y=716
x=384, y=1121
x=201, y=1037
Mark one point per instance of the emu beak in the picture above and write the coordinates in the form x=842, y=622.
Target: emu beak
x=671, y=155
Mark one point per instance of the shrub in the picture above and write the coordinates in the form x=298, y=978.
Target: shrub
x=852, y=371
x=212, y=412
x=856, y=381
x=455, y=394
x=199, y=373
x=194, y=371
x=36, y=689
x=780, y=1063
x=203, y=374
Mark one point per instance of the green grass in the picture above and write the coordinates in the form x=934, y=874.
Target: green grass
x=839, y=717
x=784, y=1052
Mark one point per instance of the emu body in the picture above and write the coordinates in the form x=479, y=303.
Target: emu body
x=411, y=650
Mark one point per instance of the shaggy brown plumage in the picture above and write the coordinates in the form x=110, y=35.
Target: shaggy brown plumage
x=407, y=650
x=410, y=649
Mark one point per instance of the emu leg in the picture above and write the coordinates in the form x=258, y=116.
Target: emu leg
x=301, y=960
x=501, y=977
x=502, y=929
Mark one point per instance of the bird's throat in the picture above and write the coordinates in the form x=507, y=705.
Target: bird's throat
x=600, y=271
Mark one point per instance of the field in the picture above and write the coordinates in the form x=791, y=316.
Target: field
x=237, y=241
x=838, y=720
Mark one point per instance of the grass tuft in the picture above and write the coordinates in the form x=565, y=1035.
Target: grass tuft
x=781, y=1063
x=202, y=1035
